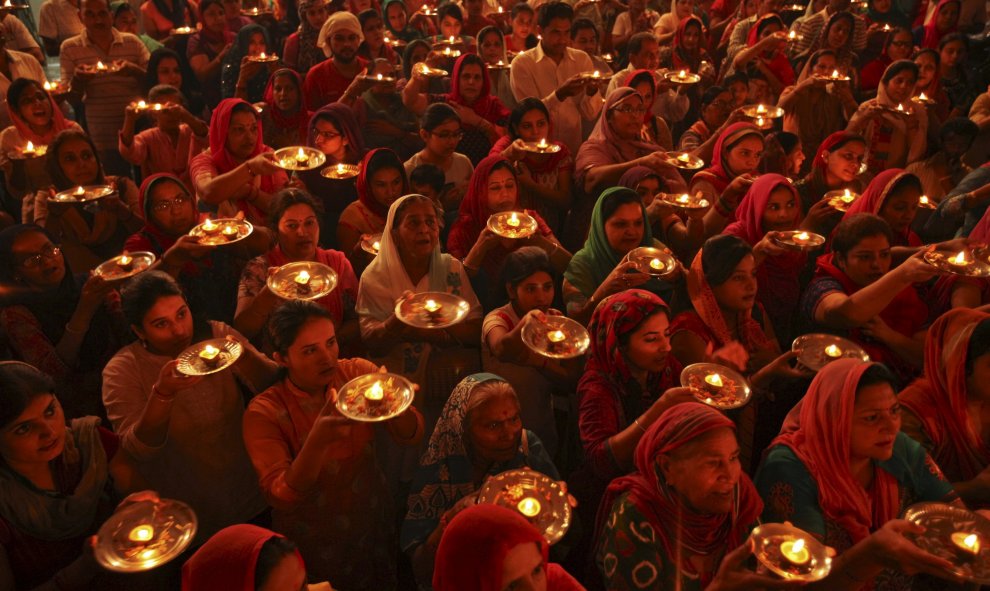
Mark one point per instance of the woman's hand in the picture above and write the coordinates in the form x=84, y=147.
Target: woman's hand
x=186, y=248
x=875, y=328
x=818, y=214
x=659, y=209
x=249, y=68
x=673, y=397
x=514, y=152
x=467, y=115
x=738, y=187
x=894, y=550
x=262, y=164
x=329, y=426
x=733, y=575
x=768, y=246
x=93, y=293
x=732, y=355
x=626, y=275
x=171, y=380
x=781, y=368
x=915, y=270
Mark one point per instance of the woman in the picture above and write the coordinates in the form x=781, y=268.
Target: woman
x=60, y=482
x=397, y=21
x=381, y=180
x=815, y=108
x=489, y=547
x=688, y=51
x=491, y=48
x=895, y=138
x=479, y=434
x=856, y=292
x=384, y=120
x=441, y=132
x=482, y=115
x=898, y=45
x=159, y=17
x=772, y=205
x=373, y=45
x=334, y=131
x=943, y=21
x=317, y=468
x=681, y=236
x=35, y=118
x=242, y=76
x=713, y=109
x=837, y=37
x=245, y=556
x=66, y=325
x=667, y=26
x=835, y=167
x=724, y=183
x=546, y=179
x=125, y=21
x=959, y=82
x=494, y=189
x=619, y=224
x=929, y=63
x=236, y=174
x=295, y=219
x=184, y=432
x=300, y=51
x=783, y=154
x=409, y=260
x=840, y=469
x=88, y=235
x=284, y=117
x=207, y=49
x=893, y=195
x=764, y=53
x=166, y=67
x=943, y=410
x=655, y=129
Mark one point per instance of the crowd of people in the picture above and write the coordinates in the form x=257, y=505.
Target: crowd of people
x=177, y=107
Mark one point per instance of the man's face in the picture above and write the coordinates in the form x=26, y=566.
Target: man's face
x=95, y=15
x=556, y=36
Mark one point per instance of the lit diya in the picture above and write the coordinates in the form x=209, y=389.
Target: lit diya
x=499, y=65
x=791, y=553
x=685, y=201
x=144, y=535
x=432, y=309
x=607, y=58
x=541, y=147
x=798, y=239
x=375, y=397
x=652, y=261
x=395, y=43
x=181, y=31
x=816, y=350
x=763, y=123
x=761, y=110
x=427, y=11
x=794, y=8
x=84, y=193
x=450, y=41
x=263, y=58
x=255, y=11
x=791, y=37
x=684, y=160
x=841, y=200
x=208, y=357
x=372, y=244
x=145, y=106
x=716, y=385
x=963, y=262
x=221, y=231
x=450, y=52
x=512, y=224
x=925, y=203
x=835, y=76
x=299, y=158
x=379, y=79
x=424, y=70
x=536, y=496
x=29, y=152
x=125, y=265
x=341, y=171
x=100, y=68
x=923, y=99
x=557, y=337
x=956, y=534
x=302, y=280
x=682, y=77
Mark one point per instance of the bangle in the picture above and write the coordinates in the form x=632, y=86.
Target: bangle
x=71, y=330
x=722, y=209
x=250, y=170
x=638, y=424
x=157, y=394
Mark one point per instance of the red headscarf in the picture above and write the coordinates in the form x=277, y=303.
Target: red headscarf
x=778, y=62
x=680, y=57
x=818, y=430
x=749, y=215
x=298, y=120
x=487, y=107
x=932, y=34
x=839, y=138
x=385, y=158
x=718, y=174
x=219, y=127
x=227, y=560
x=675, y=522
x=939, y=398
x=872, y=200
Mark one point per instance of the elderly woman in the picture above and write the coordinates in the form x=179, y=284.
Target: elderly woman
x=184, y=432
x=834, y=167
x=317, y=469
x=66, y=325
x=300, y=51
x=381, y=180
x=725, y=182
x=236, y=174
x=284, y=117
x=479, y=434
x=295, y=220
x=938, y=408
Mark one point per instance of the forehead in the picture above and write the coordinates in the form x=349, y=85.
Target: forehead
x=94, y=5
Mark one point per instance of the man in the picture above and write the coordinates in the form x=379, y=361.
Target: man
x=19, y=37
x=105, y=95
x=644, y=54
x=637, y=19
x=739, y=34
x=554, y=72
x=340, y=38
x=58, y=21
x=813, y=26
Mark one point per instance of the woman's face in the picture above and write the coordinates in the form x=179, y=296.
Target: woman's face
x=624, y=228
x=838, y=34
x=901, y=86
x=648, y=189
x=450, y=27
x=684, y=8
x=952, y=54
x=866, y=262
x=523, y=569
x=533, y=293
x=738, y=293
x=947, y=17
x=491, y=48
x=172, y=209
x=522, y=24
x=900, y=46
x=286, y=93
x=168, y=72
x=471, y=82
x=794, y=161
x=533, y=126
x=626, y=118
x=418, y=232
x=329, y=140
x=287, y=574
x=167, y=327
x=744, y=157
x=214, y=18
x=299, y=232
x=875, y=424
x=34, y=107
x=316, y=15
x=900, y=207
x=443, y=139
x=769, y=29
x=705, y=471
x=242, y=136
x=844, y=162
x=750, y=7
x=716, y=112
x=396, y=16
x=37, y=435
x=645, y=90
x=311, y=359
x=256, y=44
x=825, y=65
x=781, y=211
x=126, y=22
x=649, y=344
x=494, y=429
x=502, y=191
x=386, y=186
x=374, y=32
x=78, y=162
x=419, y=54
x=927, y=70
x=691, y=37
x=37, y=261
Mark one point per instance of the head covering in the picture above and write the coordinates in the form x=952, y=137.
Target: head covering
x=676, y=524
x=223, y=37
x=718, y=174
x=613, y=319
x=228, y=560
x=596, y=259
x=932, y=35
x=637, y=174
x=648, y=77
x=406, y=34
x=844, y=52
x=487, y=107
x=682, y=58
x=299, y=119
x=337, y=22
x=474, y=545
x=894, y=16
x=818, y=430
x=819, y=164
x=940, y=401
x=749, y=215
x=343, y=119
x=221, y=157
x=887, y=134
x=777, y=62
x=604, y=146
x=59, y=122
x=144, y=196
x=310, y=53
x=231, y=71
x=876, y=194
x=372, y=162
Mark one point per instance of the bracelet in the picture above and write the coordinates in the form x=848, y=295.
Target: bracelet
x=637, y=423
x=250, y=170
x=722, y=209
x=71, y=330
x=157, y=394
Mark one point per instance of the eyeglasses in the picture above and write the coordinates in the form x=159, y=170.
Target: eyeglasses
x=172, y=203
x=449, y=135
x=626, y=109
x=49, y=251
x=325, y=135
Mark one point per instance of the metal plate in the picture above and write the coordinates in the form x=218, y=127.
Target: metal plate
x=113, y=270
x=677, y=78
x=767, y=541
x=512, y=224
x=322, y=280
x=145, y=535
x=299, y=158
x=799, y=240
x=973, y=265
x=941, y=521
x=570, y=338
x=372, y=244
x=536, y=496
x=218, y=237
x=733, y=393
x=684, y=160
x=839, y=200
x=413, y=311
x=397, y=394
x=767, y=112
x=684, y=201
x=341, y=171
x=28, y=154
x=88, y=193
x=653, y=261
x=191, y=364
x=540, y=147
x=814, y=350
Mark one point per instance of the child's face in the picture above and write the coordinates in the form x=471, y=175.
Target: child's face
x=426, y=190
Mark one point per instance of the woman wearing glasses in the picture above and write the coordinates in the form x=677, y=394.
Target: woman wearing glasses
x=66, y=325
x=440, y=128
